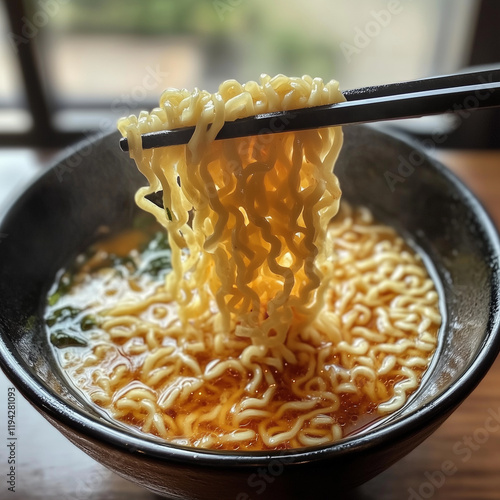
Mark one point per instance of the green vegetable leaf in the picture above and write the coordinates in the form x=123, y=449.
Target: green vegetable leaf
x=63, y=314
x=62, y=339
x=88, y=322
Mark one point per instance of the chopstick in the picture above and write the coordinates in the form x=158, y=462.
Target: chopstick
x=443, y=94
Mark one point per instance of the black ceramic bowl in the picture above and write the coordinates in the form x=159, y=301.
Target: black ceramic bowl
x=60, y=214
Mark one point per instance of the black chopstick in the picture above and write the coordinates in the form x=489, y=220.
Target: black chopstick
x=432, y=83
x=451, y=93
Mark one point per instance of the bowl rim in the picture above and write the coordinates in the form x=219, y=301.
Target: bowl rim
x=59, y=410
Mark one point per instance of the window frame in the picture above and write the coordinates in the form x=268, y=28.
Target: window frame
x=43, y=111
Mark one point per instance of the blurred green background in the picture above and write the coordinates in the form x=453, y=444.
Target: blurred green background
x=200, y=43
x=99, y=59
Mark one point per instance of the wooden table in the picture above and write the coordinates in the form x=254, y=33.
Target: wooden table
x=51, y=467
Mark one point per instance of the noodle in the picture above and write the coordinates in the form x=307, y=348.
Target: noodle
x=252, y=216
x=274, y=327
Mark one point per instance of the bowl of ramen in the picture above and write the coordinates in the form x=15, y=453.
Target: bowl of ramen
x=221, y=322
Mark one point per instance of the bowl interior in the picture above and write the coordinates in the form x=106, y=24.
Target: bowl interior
x=64, y=211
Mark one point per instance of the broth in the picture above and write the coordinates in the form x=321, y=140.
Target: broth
x=359, y=360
